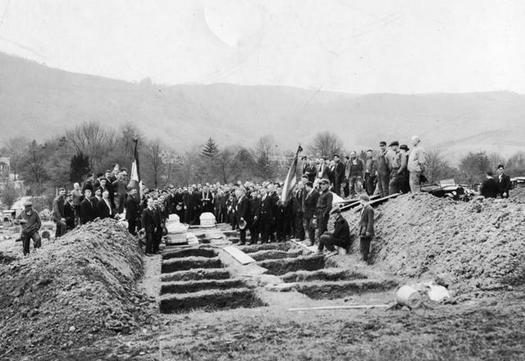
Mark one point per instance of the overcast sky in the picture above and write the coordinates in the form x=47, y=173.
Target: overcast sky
x=369, y=46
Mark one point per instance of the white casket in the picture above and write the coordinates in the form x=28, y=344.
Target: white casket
x=176, y=230
x=207, y=219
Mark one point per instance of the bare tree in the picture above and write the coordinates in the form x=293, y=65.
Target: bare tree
x=91, y=139
x=15, y=149
x=326, y=144
x=33, y=169
x=436, y=166
x=154, y=156
x=495, y=159
x=264, y=151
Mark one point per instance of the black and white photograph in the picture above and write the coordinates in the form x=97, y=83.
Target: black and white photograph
x=262, y=180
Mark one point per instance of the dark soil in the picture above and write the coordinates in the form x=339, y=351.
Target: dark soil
x=201, y=285
x=210, y=300
x=189, y=252
x=340, y=289
x=177, y=264
x=283, y=266
x=196, y=274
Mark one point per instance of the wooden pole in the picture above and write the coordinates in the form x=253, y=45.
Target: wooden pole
x=349, y=307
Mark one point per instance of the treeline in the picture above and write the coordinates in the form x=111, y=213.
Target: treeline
x=92, y=148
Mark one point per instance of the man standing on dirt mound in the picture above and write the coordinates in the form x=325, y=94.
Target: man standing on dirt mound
x=416, y=164
x=366, y=226
x=324, y=206
x=30, y=222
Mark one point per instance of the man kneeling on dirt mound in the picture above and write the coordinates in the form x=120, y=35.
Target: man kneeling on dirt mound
x=366, y=226
x=340, y=237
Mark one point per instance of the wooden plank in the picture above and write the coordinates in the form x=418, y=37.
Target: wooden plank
x=349, y=307
x=239, y=255
x=377, y=201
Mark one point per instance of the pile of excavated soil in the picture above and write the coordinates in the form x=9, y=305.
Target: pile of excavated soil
x=73, y=291
x=474, y=245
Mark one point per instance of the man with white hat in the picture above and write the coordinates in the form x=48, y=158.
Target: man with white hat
x=30, y=222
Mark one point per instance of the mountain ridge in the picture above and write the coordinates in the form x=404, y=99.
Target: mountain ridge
x=39, y=102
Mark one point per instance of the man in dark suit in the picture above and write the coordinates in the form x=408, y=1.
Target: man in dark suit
x=266, y=216
x=132, y=206
x=298, y=211
x=158, y=220
x=69, y=212
x=242, y=209
x=504, y=183
x=489, y=188
x=309, y=207
x=105, y=209
x=148, y=225
x=58, y=213
x=195, y=204
x=339, y=174
x=324, y=206
x=87, y=211
x=255, y=205
x=340, y=237
x=366, y=226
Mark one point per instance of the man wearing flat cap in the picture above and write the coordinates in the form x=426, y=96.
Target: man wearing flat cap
x=30, y=222
x=366, y=226
x=324, y=206
x=383, y=170
x=404, y=186
x=394, y=160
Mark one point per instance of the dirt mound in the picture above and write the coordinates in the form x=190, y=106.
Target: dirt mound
x=479, y=244
x=73, y=291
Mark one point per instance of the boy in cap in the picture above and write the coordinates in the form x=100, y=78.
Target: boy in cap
x=366, y=226
x=324, y=206
x=30, y=222
x=504, y=183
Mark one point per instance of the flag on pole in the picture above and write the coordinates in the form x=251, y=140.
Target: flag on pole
x=291, y=178
x=134, y=178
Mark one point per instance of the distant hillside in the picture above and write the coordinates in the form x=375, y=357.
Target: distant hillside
x=38, y=102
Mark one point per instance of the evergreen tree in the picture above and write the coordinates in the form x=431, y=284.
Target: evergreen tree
x=210, y=149
x=79, y=167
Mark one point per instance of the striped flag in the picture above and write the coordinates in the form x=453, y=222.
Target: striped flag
x=134, y=177
x=291, y=178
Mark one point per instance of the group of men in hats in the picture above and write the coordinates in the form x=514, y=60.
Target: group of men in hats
x=389, y=170
x=496, y=186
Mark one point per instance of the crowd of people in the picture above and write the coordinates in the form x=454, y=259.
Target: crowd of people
x=254, y=208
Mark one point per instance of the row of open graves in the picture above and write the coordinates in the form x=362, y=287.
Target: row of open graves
x=205, y=276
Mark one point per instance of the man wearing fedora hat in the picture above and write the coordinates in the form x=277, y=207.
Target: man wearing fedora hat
x=30, y=222
x=241, y=210
x=504, y=183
